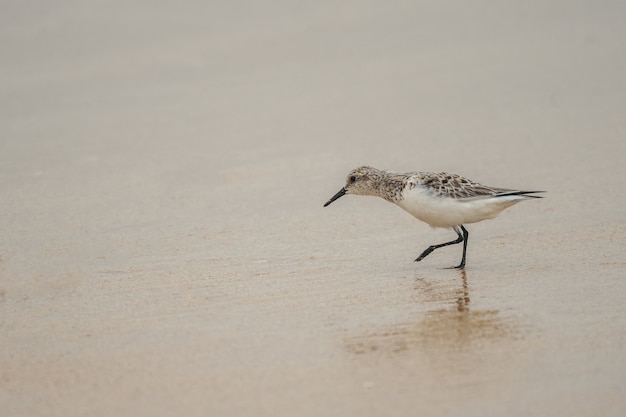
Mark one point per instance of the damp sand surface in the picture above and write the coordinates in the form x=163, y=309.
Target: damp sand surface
x=163, y=245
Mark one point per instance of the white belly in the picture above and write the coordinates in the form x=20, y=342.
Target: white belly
x=440, y=211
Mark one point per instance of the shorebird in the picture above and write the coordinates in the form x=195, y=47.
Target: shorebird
x=437, y=198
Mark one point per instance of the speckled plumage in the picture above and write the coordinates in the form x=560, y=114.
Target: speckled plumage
x=437, y=198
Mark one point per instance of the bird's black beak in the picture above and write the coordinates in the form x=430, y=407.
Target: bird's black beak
x=336, y=196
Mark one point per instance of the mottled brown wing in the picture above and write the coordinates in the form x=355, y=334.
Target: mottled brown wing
x=455, y=186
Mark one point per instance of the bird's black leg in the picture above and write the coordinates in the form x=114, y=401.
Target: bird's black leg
x=465, y=236
x=462, y=237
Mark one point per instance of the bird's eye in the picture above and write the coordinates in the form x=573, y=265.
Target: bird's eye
x=352, y=178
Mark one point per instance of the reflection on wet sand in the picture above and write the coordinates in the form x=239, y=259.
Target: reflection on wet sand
x=464, y=299
x=441, y=327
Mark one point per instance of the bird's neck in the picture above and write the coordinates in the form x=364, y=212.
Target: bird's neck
x=390, y=186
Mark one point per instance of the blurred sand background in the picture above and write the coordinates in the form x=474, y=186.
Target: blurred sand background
x=163, y=246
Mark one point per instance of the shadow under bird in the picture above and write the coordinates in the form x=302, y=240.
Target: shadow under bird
x=437, y=198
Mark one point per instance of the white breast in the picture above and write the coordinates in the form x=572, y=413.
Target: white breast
x=441, y=211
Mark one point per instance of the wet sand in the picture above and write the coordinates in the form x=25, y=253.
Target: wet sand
x=163, y=246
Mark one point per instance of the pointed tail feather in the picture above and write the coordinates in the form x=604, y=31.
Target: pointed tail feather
x=526, y=194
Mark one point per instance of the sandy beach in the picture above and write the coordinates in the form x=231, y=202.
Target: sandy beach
x=163, y=245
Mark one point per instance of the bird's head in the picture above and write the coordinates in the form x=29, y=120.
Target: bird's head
x=360, y=181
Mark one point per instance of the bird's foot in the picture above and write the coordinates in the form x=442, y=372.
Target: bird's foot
x=425, y=253
x=459, y=266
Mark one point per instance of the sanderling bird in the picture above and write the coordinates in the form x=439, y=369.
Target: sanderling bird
x=437, y=198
